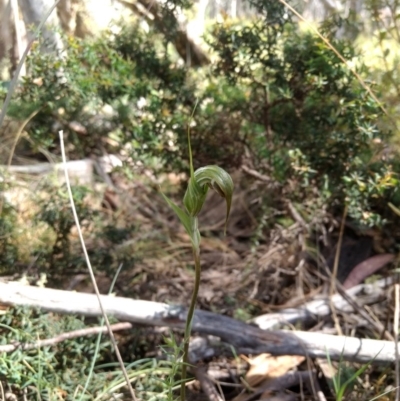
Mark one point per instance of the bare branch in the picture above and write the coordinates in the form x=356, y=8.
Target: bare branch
x=90, y=331
x=244, y=337
x=321, y=307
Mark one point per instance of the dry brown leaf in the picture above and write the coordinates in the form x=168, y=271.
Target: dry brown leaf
x=327, y=369
x=4, y=309
x=264, y=367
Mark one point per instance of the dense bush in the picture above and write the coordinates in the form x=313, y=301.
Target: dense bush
x=9, y=254
x=311, y=118
x=277, y=91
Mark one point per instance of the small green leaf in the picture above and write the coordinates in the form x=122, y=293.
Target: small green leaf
x=183, y=217
x=187, y=221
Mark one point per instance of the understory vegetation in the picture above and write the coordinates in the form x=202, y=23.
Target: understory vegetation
x=306, y=144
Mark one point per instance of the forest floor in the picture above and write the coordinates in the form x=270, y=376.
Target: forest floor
x=271, y=259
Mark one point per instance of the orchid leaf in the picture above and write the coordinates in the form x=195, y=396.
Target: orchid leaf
x=183, y=217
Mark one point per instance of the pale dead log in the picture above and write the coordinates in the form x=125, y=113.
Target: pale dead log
x=244, y=337
x=320, y=307
x=80, y=171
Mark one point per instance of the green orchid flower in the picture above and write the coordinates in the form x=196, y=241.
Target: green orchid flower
x=205, y=178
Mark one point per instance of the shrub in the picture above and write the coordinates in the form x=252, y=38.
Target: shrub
x=277, y=91
x=311, y=118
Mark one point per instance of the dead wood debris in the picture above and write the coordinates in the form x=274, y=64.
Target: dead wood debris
x=90, y=331
x=245, y=338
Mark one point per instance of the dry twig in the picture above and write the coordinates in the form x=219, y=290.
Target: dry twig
x=91, y=273
x=206, y=384
x=321, y=306
x=90, y=331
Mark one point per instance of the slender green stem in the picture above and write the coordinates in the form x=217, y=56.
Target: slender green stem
x=189, y=144
x=190, y=314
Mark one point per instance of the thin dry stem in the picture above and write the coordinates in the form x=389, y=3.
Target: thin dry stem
x=207, y=384
x=2, y=391
x=91, y=273
x=332, y=288
x=89, y=331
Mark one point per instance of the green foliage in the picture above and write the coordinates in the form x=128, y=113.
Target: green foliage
x=346, y=377
x=8, y=249
x=311, y=118
x=277, y=92
x=46, y=234
x=127, y=91
x=60, y=371
x=44, y=372
x=9, y=254
x=128, y=72
x=55, y=211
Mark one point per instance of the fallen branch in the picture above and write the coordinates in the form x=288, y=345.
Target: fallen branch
x=318, y=308
x=80, y=171
x=244, y=337
x=90, y=331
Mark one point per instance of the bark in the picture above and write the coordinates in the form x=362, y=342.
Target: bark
x=5, y=29
x=67, y=10
x=244, y=337
x=10, y=40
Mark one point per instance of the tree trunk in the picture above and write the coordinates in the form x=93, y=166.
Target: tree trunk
x=9, y=45
x=33, y=12
x=66, y=10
